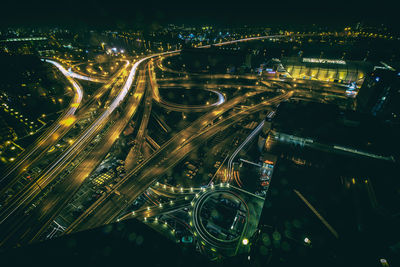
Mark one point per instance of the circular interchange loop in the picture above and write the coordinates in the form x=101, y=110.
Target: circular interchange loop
x=220, y=213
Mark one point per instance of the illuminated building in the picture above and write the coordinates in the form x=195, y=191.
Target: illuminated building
x=332, y=70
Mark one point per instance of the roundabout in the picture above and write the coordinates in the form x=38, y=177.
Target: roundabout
x=220, y=218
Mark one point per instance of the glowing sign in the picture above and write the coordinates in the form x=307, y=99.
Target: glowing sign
x=324, y=61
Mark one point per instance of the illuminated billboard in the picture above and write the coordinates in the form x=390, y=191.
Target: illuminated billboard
x=324, y=61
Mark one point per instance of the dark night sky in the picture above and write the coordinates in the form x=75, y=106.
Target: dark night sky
x=120, y=14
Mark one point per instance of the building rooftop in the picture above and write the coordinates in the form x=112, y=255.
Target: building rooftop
x=327, y=124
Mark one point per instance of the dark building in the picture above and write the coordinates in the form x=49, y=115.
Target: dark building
x=380, y=95
x=326, y=127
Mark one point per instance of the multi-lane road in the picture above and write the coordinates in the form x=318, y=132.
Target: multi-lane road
x=11, y=213
x=108, y=207
x=46, y=210
x=48, y=138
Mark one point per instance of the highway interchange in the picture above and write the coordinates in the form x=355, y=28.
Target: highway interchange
x=90, y=128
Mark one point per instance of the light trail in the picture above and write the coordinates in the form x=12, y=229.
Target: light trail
x=82, y=77
x=79, y=95
x=245, y=142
